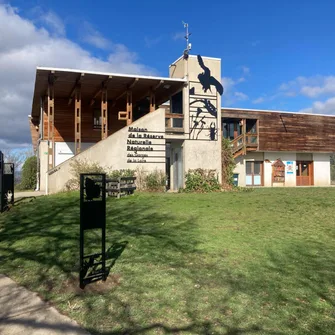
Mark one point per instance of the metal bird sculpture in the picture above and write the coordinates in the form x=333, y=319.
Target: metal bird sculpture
x=207, y=80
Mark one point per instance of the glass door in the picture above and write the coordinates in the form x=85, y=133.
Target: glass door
x=254, y=173
x=304, y=173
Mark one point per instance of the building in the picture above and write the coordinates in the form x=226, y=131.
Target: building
x=123, y=122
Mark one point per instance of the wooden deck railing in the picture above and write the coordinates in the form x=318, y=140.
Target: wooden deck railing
x=244, y=143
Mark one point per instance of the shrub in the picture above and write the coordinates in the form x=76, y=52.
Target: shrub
x=121, y=173
x=29, y=171
x=228, y=164
x=155, y=181
x=202, y=181
x=82, y=166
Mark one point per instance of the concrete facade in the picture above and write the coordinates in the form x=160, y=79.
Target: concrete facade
x=321, y=167
x=152, y=143
x=202, y=117
x=122, y=150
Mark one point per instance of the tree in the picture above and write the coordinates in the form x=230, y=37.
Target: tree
x=29, y=170
x=228, y=164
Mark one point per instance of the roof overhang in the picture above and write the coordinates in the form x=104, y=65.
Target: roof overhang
x=65, y=81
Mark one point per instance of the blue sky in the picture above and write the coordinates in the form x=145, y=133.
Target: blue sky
x=275, y=54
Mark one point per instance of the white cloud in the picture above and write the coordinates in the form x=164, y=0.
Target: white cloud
x=23, y=46
x=241, y=96
x=94, y=37
x=230, y=94
x=245, y=70
x=149, y=42
x=178, y=36
x=258, y=100
x=310, y=87
x=54, y=22
x=319, y=107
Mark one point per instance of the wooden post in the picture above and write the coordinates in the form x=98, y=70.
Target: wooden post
x=51, y=134
x=104, y=114
x=77, y=119
x=152, y=101
x=244, y=131
x=129, y=108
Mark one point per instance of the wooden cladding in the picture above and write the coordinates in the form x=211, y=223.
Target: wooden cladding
x=290, y=132
x=129, y=108
x=51, y=121
x=77, y=120
x=65, y=121
x=104, y=114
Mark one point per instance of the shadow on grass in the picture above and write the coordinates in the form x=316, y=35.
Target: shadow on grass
x=281, y=294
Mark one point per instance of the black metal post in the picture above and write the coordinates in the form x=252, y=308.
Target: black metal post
x=92, y=216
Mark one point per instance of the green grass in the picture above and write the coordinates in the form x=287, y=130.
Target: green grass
x=259, y=262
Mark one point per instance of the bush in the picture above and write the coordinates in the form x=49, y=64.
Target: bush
x=82, y=166
x=202, y=181
x=29, y=171
x=228, y=164
x=155, y=181
x=121, y=173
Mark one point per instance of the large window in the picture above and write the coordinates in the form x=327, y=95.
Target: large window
x=254, y=172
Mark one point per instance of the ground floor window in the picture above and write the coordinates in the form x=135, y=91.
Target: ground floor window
x=254, y=173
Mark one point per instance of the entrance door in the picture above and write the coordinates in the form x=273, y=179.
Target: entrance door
x=254, y=173
x=177, y=163
x=304, y=173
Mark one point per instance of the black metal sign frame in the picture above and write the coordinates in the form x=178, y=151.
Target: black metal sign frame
x=2, y=193
x=92, y=216
x=6, y=184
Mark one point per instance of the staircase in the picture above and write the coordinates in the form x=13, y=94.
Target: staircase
x=244, y=143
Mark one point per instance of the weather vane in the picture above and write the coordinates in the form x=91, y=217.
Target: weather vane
x=187, y=37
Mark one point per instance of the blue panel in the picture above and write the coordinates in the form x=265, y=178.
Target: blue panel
x=248, y=180
x=257, y=180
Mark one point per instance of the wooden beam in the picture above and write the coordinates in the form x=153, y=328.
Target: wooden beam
x=134, y=82
x=78, y=83
x=77, y=119
x=153, y=89
x=161, y=82
x=129, y=108
x=152, y=102
x=128, y=87
x=104, y=85
x=123, y=116
x=104, y=114
x=51, y=119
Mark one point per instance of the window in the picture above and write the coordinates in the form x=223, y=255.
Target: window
x=97, y=119
x=177, y=108
x=177, y=103
x=254, y=172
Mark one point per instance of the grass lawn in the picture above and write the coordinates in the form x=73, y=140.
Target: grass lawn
x=259, y=262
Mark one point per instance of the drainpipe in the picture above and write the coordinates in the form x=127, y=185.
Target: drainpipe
x=38, y=174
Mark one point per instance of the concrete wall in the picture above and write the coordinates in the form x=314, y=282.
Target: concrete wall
x=290, y=179
x=121, y=150
x=66, y=150
x=43, y=161
x=202, y=126
x=321, y=169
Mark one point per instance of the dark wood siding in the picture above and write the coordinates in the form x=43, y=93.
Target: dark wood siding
x=64, y=121
x=291, y=131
